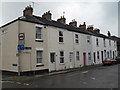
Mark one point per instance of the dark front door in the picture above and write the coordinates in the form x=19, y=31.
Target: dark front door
x=84, y=59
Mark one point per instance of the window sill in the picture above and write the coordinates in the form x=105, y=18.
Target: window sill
x=39, y=40
x=61, y=42
x=39, y=65
x=62, y=63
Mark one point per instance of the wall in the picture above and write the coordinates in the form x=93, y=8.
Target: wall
x=30, y=32
x=9, y=44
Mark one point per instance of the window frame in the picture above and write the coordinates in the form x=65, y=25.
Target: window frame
x=77, y=56
x=104, y=42
x=62, y=57
x=61, y=37
x=98, y=55
x=97, y=42
x=40, y=34
x=42, y=58
x=76, y=38
x=88, y=39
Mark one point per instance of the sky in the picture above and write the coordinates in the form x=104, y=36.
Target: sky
x=100, y=14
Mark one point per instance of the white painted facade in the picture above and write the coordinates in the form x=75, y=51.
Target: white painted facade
x=51, y=48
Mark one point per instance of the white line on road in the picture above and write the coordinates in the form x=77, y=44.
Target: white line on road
x=85, y=72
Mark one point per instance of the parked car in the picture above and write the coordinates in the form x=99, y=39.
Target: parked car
x=118, y=59
x=109, y=61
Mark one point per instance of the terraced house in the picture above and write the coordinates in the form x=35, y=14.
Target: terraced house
x=33, y=43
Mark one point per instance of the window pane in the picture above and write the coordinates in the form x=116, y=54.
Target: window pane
x=60, y=33
x=39, y=56
x=38, y=33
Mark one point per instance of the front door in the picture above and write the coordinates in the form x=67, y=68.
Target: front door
x=102, y=55
x=52, y=62
x=84, y=59
x=71, y=59
x=94, y=56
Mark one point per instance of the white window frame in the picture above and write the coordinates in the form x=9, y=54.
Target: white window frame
x=104, y=42
x=76, y=38
x=89, y=56
x=61, y=37
x=109, y=42
x=62, y=57
x=77, y=56
x=39, y=26
x=97, y=41
x=39, y=49
x=88, y=39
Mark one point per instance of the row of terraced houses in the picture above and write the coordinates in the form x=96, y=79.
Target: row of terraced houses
x=33, y=43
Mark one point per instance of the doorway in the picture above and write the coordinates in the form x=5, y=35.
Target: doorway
x=84, y=59
x=52, y=61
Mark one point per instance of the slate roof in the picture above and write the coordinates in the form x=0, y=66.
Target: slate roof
x=118, y=40
x=43, y=21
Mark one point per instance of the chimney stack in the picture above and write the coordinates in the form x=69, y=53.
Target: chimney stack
x=83, y=26
x=109, y=34
x=47, y=15
x=28, y=11
x=90, y=28
x=97, y=30
x=73, y=23
x=62, y=20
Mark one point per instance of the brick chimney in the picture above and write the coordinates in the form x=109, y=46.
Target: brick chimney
x=96, y=30
x=28, y=11
x=73, y=23
x=83, y=26
x=47, y=15
x=90, y=28
x=62, y=20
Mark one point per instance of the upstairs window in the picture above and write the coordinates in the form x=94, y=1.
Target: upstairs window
x=88, y=39
x=38, y=33
x=60, y=36
x=109, y=42
x=76, y=38
x=97, y=42
x=104, y=42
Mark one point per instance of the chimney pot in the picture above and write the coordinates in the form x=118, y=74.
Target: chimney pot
x=28, y=11
x=97, y=30
x=73, y=23
x=62, y=20
x=47, y=15
x=82, y=26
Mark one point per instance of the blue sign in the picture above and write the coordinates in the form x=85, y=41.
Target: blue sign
x=20, y=47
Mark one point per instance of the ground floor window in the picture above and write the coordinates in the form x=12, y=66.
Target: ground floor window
x=98, y=57
x=77, y=56
x=89, y=58
x=61, y=56
x=39, y=56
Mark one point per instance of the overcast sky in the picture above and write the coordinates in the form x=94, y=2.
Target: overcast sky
x=102, y=15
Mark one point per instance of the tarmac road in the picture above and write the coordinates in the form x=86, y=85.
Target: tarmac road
x=95, y=77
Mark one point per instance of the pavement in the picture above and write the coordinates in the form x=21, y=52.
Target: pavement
x=6, y=78
x=86, y=77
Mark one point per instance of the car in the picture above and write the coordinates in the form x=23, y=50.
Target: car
x=109, y=61
x=118, y=59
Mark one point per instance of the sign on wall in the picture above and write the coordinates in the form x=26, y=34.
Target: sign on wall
x=20, y=47
x=21, y=38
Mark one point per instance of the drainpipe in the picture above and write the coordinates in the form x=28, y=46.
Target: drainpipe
x=18, y=51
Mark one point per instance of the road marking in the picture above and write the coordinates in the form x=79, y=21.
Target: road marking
x=84, y=83
x=85, y=72
x=93, y=78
